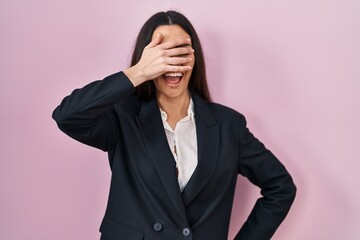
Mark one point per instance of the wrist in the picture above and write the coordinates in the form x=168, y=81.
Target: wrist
x=135, y=75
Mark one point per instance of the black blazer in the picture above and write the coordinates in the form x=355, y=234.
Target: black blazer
x=144, y=200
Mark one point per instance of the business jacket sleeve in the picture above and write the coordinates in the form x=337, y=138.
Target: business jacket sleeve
x=87, y=114
x=263, y=169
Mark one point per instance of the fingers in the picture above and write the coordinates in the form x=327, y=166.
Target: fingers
x=179, y=51
x=157, y=40
x=176, y=43
x=177, y=60
x=171, y=48
x=171, y=68
x=170, y=56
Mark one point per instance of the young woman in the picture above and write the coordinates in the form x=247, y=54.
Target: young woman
x=174, y=154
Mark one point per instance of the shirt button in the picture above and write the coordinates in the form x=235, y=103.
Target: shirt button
x=186, y=232
x=157, y=227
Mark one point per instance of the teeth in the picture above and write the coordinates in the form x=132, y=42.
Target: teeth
x=173, y=74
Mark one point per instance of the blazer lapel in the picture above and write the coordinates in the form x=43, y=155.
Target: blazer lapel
x=207, y=130
x=152, y=129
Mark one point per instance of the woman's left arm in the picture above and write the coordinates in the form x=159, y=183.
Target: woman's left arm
x=263, y=169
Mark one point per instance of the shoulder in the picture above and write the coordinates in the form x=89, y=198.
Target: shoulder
x=212, y=112
x=222, y=112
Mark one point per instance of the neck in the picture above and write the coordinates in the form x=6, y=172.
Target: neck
x=175, y=108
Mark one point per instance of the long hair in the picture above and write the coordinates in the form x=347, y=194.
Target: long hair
x=198, y=82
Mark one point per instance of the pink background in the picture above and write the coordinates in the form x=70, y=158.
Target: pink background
x=292, y=67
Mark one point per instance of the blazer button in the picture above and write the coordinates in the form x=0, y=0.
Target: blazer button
x=157, y=227
x=186, y=232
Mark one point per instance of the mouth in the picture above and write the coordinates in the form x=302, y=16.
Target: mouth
x=173, y=79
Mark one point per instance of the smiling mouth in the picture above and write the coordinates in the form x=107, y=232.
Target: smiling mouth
x=173, y=79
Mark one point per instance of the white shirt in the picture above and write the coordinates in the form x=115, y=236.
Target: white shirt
x=183, y=144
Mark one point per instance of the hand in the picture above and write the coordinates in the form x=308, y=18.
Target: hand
x=158, y=58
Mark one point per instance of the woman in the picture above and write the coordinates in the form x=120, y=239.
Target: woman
x=174, y=155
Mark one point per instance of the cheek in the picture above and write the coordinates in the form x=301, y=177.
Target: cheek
x=157, y=82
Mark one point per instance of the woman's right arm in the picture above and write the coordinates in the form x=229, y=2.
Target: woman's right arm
x=87, y=114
